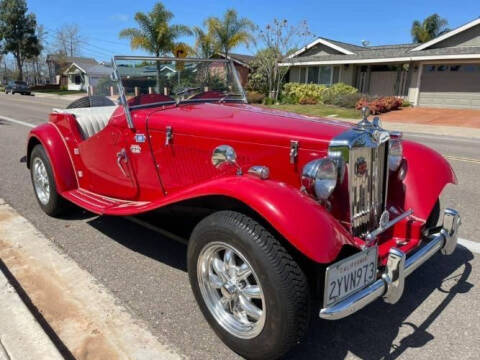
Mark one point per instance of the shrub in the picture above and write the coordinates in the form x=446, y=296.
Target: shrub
x=406, y=103
x=332, y=94
x=254, y=97
x=336, y=94
x=309, y=100
x=379, y=105
x=347, y=100
x=301, y=92
x=268, y=101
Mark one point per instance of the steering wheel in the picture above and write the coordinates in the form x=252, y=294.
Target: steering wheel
x=186, y=90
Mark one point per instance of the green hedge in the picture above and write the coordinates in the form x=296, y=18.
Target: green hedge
x=338, y=94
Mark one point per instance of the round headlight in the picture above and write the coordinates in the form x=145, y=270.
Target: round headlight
x=395, y=154
x=319, y=177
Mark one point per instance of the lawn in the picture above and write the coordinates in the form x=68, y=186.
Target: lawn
x=319, y=110
x=60, y=92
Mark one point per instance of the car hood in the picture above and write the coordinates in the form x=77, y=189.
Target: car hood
x=247, y=123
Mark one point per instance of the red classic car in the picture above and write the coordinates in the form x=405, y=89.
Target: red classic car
x=298, y=208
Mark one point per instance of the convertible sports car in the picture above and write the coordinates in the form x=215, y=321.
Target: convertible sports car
x=299, y=211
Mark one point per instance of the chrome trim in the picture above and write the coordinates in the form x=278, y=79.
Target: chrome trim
x=391, y=283
x=223, y=154
x=367, y=194
x=262, y=172
x=231, y=290
x=121, y=92
x=293, y=151
x=168, y=135
x=371, y=236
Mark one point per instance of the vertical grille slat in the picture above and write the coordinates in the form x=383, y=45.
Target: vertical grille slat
x=367, y=182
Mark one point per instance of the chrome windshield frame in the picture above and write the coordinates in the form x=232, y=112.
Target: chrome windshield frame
x=121, y=90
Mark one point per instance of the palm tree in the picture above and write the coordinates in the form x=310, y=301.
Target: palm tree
x=205, y=46
x=155, y=34
x=230, y=31
x=430, y=28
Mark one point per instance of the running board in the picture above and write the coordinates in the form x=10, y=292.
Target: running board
x=104, y=205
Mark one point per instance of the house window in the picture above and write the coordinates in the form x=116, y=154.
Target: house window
x=336, y=75
x=303, y=74
x=77, y=79
x=325, y=75
x=442, y=68
x=430, y=68
x=313, y=75
x=454, y=67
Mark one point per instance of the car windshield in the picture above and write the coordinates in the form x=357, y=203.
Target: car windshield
x=21, y=83
x=155, y=81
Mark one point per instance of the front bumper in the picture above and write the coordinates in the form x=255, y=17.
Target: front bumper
x=391, y=284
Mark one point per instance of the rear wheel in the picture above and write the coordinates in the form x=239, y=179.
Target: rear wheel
x=250, y=290
x=44, y=184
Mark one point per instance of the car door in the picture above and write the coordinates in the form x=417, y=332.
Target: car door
x=106, y=158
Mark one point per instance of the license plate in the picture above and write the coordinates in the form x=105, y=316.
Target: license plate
x=350, y=275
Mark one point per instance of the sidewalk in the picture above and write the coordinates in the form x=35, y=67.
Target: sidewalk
x=86, y=320
x=21, y=336
x=442, y=130
x=72, y=97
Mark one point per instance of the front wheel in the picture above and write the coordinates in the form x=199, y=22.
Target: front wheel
x=250, y=290
x=44, y=184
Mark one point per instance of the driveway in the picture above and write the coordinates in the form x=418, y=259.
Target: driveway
x=435, y=116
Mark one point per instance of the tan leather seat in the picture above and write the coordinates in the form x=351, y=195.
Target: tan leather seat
x=90, y=120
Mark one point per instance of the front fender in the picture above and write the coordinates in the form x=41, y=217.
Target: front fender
x=297, y=217
x=54, y=145
x=428, y=173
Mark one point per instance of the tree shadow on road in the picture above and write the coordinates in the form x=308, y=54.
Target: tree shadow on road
x=142, y=240
x=372, y=333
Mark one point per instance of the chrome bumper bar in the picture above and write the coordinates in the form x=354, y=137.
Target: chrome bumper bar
x=391, y=283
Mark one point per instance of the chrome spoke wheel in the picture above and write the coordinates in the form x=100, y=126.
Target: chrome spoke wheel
x=231, y=290
x=41, y=181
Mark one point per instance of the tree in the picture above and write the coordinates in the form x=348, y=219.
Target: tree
x=18, y=32
x=205, y=46
x=68, y=40
x=430, y=28
x=154, y=33
x=230, y=31
x=279, y=40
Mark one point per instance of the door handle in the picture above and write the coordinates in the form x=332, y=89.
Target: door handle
x=122, y=156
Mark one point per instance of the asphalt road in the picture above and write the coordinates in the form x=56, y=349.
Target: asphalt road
x=437, y=318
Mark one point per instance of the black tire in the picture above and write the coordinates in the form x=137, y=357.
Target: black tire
x=91, y=101
x=284, y=285
x=434, y=216
x=56, y=205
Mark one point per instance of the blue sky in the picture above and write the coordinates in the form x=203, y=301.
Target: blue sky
x=380, y=22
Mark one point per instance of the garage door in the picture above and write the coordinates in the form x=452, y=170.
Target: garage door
x=451, y=86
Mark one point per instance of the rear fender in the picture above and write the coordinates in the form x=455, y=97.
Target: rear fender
x=298, y=218
x=428, y=173
x=54, y=145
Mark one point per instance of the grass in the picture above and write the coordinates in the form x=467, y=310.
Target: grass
x=320, y=110
x=60, y=92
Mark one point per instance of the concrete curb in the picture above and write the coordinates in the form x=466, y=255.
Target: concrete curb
x=21, y=336
x=86, y=319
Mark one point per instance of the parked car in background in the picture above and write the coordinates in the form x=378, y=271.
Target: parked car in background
x=17, y=87
x=298, y=213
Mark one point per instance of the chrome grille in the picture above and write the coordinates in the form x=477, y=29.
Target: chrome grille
x=367, y=181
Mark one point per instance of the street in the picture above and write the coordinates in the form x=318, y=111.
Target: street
x=437, y=318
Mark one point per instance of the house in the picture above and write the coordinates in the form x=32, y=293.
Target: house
x=58, y=63
x=242, y=64
x=443, y=72
x=81, y=75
